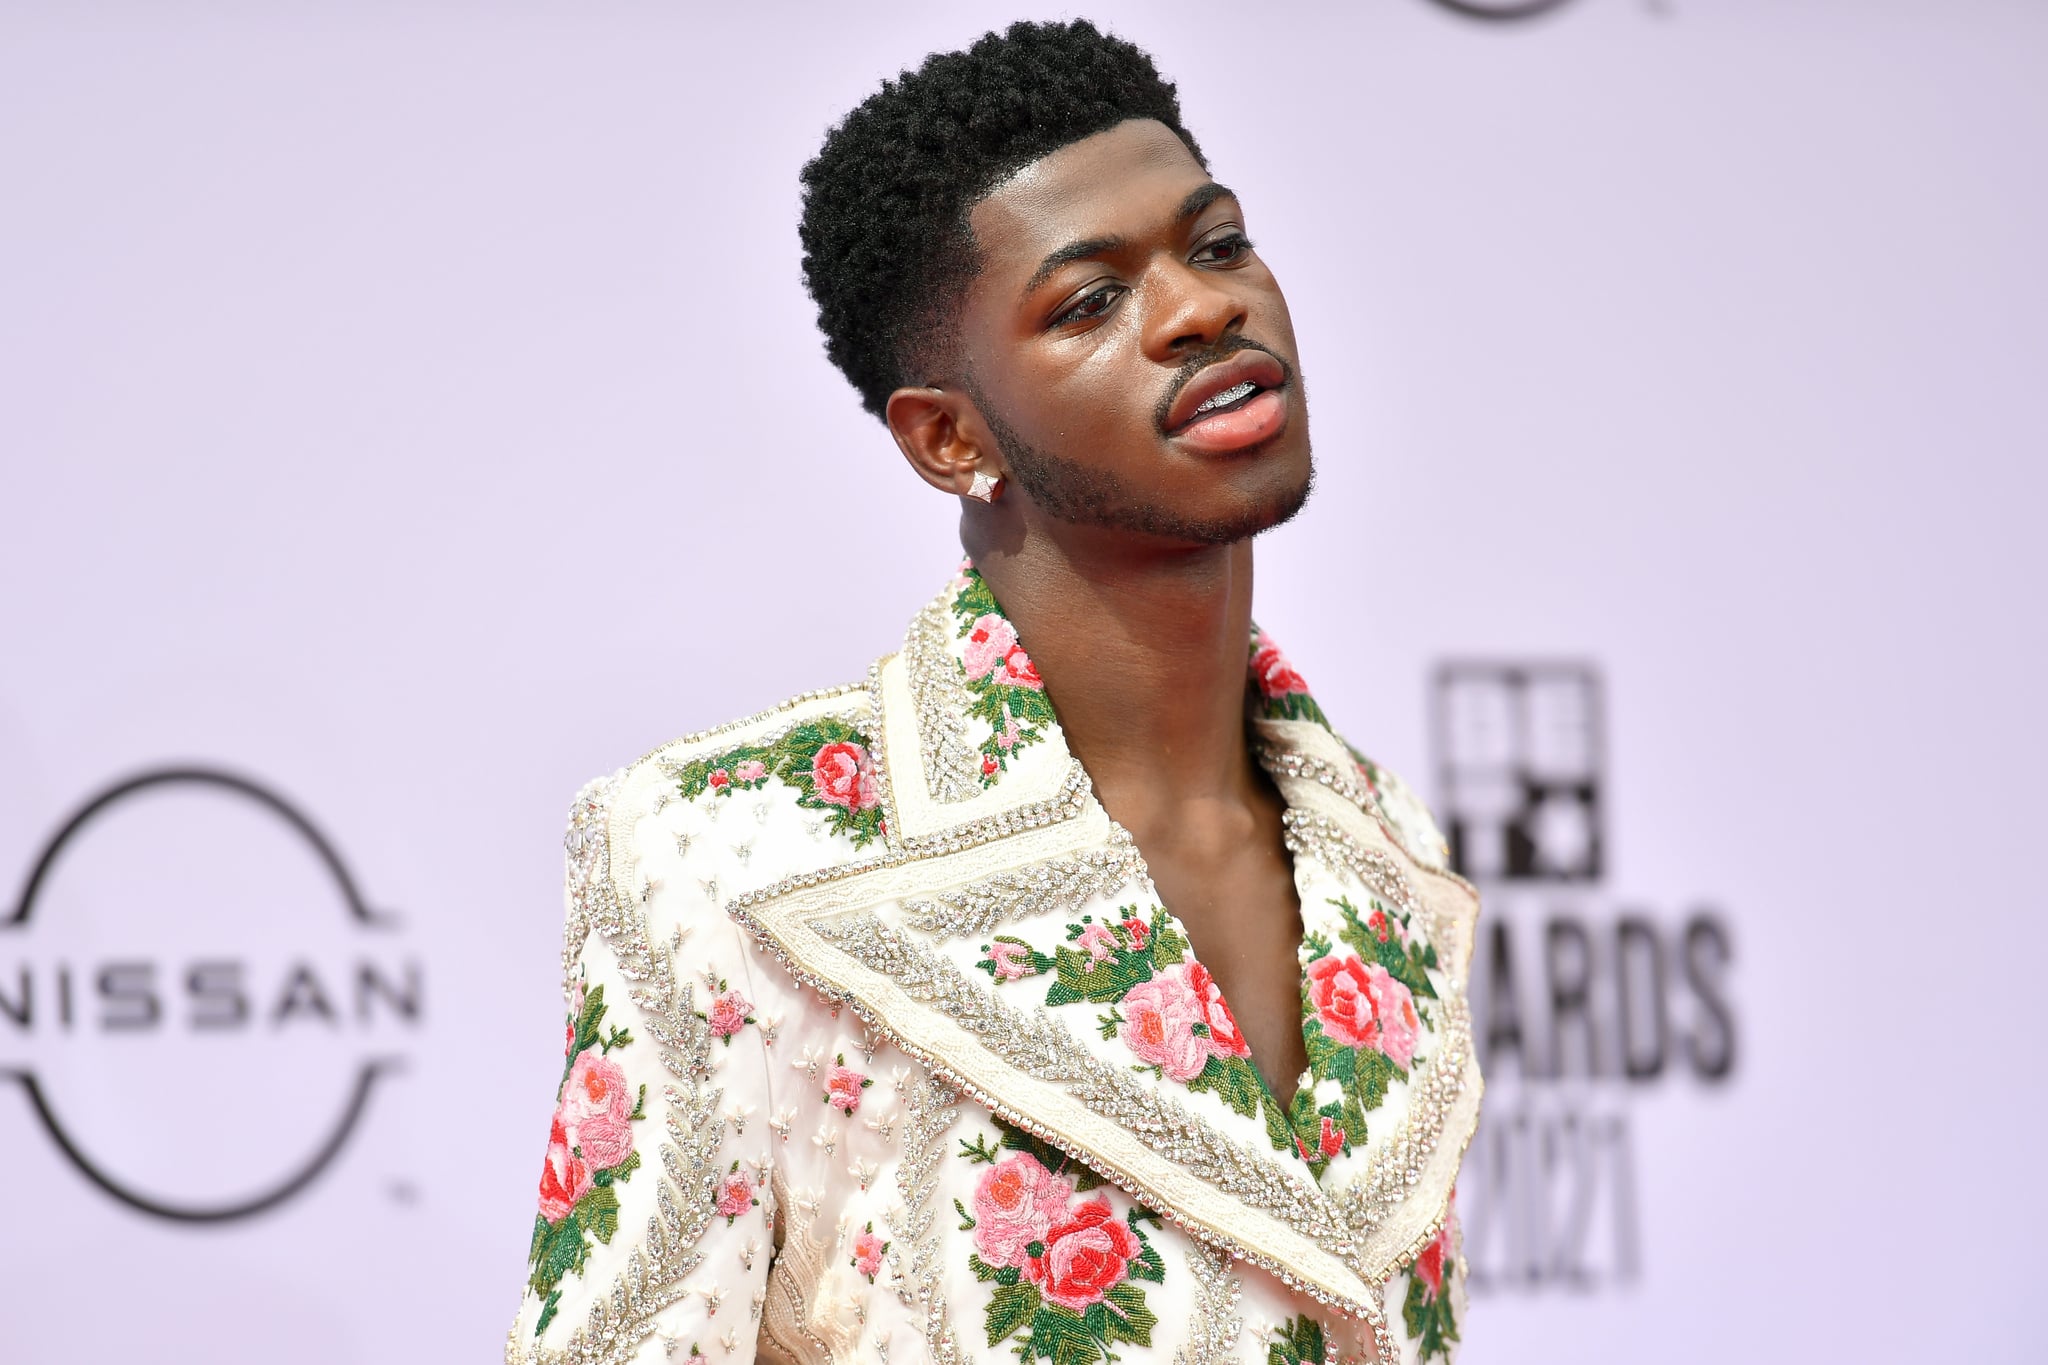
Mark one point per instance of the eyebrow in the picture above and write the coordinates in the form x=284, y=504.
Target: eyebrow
x=1088, y=248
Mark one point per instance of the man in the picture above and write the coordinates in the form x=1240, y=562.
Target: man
x=1081, y=1003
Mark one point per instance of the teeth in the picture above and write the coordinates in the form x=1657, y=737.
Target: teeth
x=1229, y=396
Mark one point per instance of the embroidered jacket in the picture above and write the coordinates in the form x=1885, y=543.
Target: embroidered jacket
x=881, y=1047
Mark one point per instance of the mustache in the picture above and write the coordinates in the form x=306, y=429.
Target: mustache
x=1203, y=359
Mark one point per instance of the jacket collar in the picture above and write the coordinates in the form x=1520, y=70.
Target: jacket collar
x=991, y=820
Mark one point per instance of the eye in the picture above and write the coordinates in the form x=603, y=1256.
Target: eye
x=1091, y=305
x=1226, y=250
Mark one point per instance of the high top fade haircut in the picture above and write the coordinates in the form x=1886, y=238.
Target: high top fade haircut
x=887, y=248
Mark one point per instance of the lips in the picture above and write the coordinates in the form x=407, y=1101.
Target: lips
x=1257, y=368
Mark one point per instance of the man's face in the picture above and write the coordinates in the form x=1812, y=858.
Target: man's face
x=1117, y=292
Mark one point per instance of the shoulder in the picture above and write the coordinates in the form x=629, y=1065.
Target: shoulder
x=791, y=789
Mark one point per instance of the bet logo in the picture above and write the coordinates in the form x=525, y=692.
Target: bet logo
x=195, y=998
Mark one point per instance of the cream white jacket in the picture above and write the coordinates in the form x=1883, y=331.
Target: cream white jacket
x=880, y=1046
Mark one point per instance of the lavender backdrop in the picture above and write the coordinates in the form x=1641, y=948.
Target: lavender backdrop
x=416, y=409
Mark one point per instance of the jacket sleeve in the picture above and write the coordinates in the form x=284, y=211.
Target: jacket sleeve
x=651, y=1238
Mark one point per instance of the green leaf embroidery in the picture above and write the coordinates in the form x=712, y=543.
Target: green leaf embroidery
x=1064, y=1338
x=1129, y=1319
x=1010, y=1307
x=1279, y=1131
x=562, y=1251
x=1149, y=1265
x=1375, y=1072
x=1298, y=1341
x=547, y=1312
x=1233, y=1080
x=599, y=1211
x=1295, y=706
x=1081, y=977
x=1428, y=1318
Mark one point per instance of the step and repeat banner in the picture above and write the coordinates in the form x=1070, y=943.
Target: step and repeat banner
x=414, y=411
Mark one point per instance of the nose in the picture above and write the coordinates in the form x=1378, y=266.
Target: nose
x=1194, y=309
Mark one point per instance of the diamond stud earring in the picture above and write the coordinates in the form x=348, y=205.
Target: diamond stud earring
x=984, y=488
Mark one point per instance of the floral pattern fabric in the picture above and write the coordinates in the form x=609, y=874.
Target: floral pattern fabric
x=590, y=1151
x=914, y=1192
x=826, y=763
x=1068, y=1272
x=1007, y=694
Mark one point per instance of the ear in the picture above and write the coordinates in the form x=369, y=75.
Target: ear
x=941, y=434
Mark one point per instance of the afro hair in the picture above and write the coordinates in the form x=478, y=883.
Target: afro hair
x=887, y=247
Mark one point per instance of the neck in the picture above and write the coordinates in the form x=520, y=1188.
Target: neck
x=1143, y=656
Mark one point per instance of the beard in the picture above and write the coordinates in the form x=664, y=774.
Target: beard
x=1084, y=496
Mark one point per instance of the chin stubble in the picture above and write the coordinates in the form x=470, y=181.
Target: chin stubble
x=1083, y=496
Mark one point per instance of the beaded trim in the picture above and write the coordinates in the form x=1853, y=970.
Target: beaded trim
x=1060, y=884
x=1321, y=771
x=793, y=1279
x=799, y=1263
x=952, y=767
x=929, y=1115
x=587, y=864
x=1214, y=1330
x=621, y=1319
x=1041, y=1047
x=1433, y=1088
x=1068, y=800
x=744, y=723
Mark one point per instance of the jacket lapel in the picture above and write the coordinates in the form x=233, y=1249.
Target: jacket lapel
x=1010, y=939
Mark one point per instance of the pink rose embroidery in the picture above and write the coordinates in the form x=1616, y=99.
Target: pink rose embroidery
x=989, y=642
x=1363, y=1006
x=1339, y=990
x=1011, y=959
x=1017, y=670
x=1085, y=1257
x=1395, y=1005
x=1137, y=930
x=868, y=1250
x=1225, y=1039
x=735, y=1194
x=564, y=1178
x=1015, y=1203
x=730, y=1012
x=1007, y=737
x=842, y=774
x=1098, y=941
x=1276, y=676
x=596, y=1106
x=719, y=780
x=753, y=770
x=843, y=1086
x=1159, y=1025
